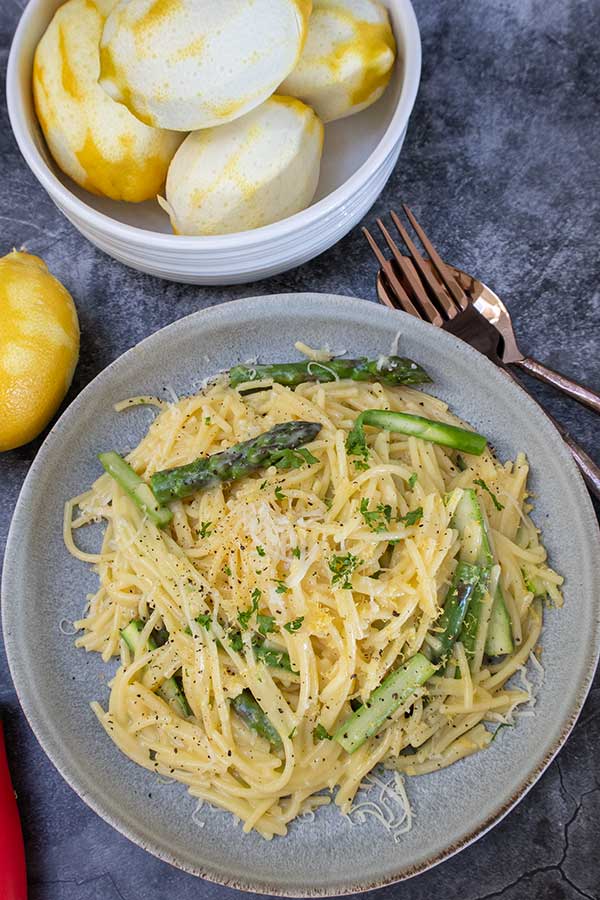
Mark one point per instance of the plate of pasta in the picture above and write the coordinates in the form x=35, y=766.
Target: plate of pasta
x=317, y=593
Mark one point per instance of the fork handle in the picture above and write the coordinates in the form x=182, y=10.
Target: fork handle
x=578, y=392
x=588, y=468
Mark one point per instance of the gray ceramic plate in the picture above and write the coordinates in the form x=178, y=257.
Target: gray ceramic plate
x=55, y=682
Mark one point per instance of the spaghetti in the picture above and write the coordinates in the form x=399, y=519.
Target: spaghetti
x=301, y=590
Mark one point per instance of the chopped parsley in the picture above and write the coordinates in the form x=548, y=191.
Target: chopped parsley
x=499, y=506
x=361, y=465
x=205, y=620
x=245, y=615
x=279, y=493
x=260, y=550
x=290, y=627
x=342, y=568
x=292, y=733
x=321, y=734
x=412, y=480
x=377, y=519
x=356, y=442
x=235, y=641
x=227, y=570
x=278, y=659
x=205, y=529
x=412, y=517
x=265, y=623
x=296, y=552
x=263, y=485
x=293, y=459
x=282, y=587
x=207, y=420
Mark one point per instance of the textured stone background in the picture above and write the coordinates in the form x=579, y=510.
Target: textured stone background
x=501, y=166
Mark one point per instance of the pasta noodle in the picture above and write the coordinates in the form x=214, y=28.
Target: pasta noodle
x=274, y=540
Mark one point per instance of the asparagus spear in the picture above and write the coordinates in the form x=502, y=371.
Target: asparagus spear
x=248, y=709
x=394, y=690
x=169, y=689
x=388, y=370
x=397, y=687
x=476, y=548
x=135, y=487
x=460, y=594
x=270, y=448
x=405, y=423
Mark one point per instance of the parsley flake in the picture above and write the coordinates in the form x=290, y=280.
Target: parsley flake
x=293, y=459
x=245, y=615
x=412, y=517
x=412, y=480
x=377, y=519
x=235, y=641
x=265, y=624
x=260, y=550
x=279, y=493
x=205, y=529
x=296, y=552
x=342, y=568
x=499, y=506
x=356, y=442
x=282, y=587
x=321, y=734
x=291, y=627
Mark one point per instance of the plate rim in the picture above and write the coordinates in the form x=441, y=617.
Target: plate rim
x=41, y=729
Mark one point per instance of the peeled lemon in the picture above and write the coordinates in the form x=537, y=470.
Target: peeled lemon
x=189, y=64
x=39, y=346
x=347, y=61
x=251, y=172
x=96, y=141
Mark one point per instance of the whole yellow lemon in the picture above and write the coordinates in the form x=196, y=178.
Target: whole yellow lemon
x=39, y=347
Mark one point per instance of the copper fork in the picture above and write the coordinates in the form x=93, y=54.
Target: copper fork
x=443, y=296
x=493, y=309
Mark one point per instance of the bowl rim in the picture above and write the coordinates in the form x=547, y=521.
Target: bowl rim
x=336, y=200
x=351, y=305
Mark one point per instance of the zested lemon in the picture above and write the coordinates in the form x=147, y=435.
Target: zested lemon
x=39, y=347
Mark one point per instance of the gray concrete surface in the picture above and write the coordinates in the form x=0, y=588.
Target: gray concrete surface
x=501, y=166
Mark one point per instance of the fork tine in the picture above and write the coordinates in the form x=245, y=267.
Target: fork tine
x=430, y=312
x=447, y=279
x=386, y=267
x=384, y=293
x=446, y=301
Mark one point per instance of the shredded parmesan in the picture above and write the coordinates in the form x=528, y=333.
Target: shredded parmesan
x=322, y=354
x=385, y=801
x=395, y=344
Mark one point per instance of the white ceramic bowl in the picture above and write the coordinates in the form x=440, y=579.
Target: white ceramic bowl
x=359, y=155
